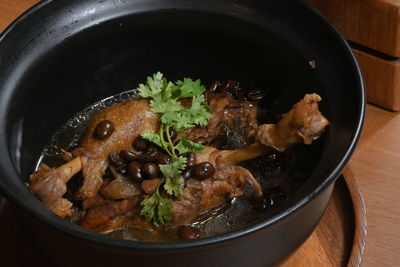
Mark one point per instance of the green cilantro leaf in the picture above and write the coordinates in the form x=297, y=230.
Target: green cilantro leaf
x=173, y=169
x=153, y=86
x=156, y=209
x=190, y=88
x=162, y=106
x=152, y=137
x=174, y=186
x=180, y=121
x=164, y=99
x=172, y=173
x=185, y=145
x=199, y=112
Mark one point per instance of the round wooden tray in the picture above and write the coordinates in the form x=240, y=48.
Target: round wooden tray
x=338, y=240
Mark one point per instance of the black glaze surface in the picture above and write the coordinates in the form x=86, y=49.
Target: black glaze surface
x=61, y=56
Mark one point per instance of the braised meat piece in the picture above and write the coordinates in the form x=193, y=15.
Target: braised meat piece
x=130, y=119
x=121, y=187
x=302, y=124
x=240, y=116
x=113, y=203
x=49, y=185
x=96, y=201
x=228, y=181
x=133, y=117
x=199, y=197
x=97, y=217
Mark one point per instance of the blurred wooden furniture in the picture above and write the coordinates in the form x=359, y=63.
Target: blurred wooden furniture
x=374, y=25
x=376, y=163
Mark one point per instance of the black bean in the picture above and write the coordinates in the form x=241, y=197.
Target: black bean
x=190, y=159
x=187, y=232
x=115, y=159
x=186, y=174
x=104, y=129
x=152, y=149
x=140, y=143
x=163, y=159
x=151, y=170
x=130, y=155
x=203, y=170
x=135, y=171
x=148, y=158
x=202, y=141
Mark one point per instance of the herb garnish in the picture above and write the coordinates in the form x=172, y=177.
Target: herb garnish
x=165, y=97
x=156, y=209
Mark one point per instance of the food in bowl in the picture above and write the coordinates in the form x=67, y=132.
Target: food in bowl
x=169, y=164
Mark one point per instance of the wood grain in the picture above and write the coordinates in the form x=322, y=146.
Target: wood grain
x=372, y=23
x=11, y=9
x=382, y=79
x=360, y=218
x=376, y=163
x=340, y=237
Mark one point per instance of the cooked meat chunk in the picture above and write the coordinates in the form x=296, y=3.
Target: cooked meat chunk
x=150, y=186
x=228, y=181
x=199, y=197
x=302, y=124
x=50, y=185
x=96, y=201
x=121, y=187
x=240, y=116
x=131, y=219
x=99, y=216
x=130, y=119
x=134, y=117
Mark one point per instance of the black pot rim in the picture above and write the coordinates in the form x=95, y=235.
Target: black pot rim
x=80, y=233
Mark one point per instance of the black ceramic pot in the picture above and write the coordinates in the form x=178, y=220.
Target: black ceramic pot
x=61, y=56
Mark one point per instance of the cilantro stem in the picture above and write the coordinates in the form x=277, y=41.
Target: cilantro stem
x=157, y=192
x=164, y=144
x=165, y=98
x=171, y=144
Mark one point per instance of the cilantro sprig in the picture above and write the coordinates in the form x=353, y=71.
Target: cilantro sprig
x=156, y=209
x=164, y=100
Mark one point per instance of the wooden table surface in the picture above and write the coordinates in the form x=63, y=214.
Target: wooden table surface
x=376, y=164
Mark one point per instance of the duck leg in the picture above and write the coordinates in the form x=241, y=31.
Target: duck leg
x=304, y=123
x=49, y=184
